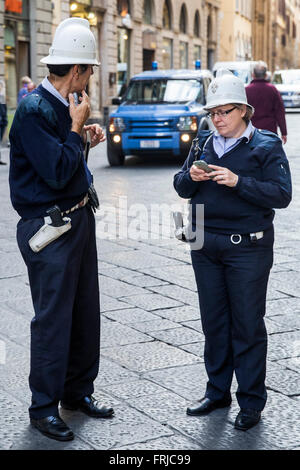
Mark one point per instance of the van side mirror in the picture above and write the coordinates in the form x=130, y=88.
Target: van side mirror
x=117, y=100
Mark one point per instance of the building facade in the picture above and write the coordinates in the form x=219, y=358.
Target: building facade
x=130, y=34
x=276, y=33
x=236, y=30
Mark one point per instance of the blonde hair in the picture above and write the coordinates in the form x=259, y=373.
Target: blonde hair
x=249, y=112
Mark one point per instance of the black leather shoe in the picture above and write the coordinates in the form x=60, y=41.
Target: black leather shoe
x=246, y=419
x=207, y=405
x=53, y=427
x=89, y=406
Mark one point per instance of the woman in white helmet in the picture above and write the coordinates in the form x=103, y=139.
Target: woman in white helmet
x=51, y=189
x=248, y=176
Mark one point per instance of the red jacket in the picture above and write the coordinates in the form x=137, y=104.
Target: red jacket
x=269, y=109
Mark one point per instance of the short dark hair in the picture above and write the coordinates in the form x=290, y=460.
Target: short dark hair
x=63, y=69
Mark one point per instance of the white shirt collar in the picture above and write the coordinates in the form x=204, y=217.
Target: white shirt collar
x=49, y=87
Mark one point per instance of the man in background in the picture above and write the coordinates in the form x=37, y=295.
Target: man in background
x=265, y=98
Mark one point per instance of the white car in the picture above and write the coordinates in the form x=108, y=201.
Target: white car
x=287, y=83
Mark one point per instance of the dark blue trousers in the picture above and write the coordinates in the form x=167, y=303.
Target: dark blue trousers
x=65, y=330
x=232, y=284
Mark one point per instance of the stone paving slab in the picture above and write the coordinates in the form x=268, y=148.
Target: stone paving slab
x=151, y=301
x=128, y=426
x=292, y=363
x=180, y=314
x=14, y=326
x=214, y=432
x=112, y=373
x=132, y=316
x=177, y=442
x=182, y=276
x=117, y=289
x=13, y=288
x=283, y=380
x=108, y=303
x=138, y=261
x=133, y=389
x=283, y=345
x=279, y=426
x=115, y=334
x=194, y=348
x=178, y=336
x=187, y=381
x=148, y=356
x=290, y=305
x=178, y=293
x=154, y=325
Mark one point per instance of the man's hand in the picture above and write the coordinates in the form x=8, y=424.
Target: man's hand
x=96, y=133
x=80, y=113
x=284, y=139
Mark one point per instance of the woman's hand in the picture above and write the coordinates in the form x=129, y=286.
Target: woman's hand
x=222, y=175
x=198, y=175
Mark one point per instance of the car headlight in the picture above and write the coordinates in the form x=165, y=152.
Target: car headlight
x=116, y=124
x=187, y=123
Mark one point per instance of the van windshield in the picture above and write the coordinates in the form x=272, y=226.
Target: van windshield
x=164, y=91
x=287, y=77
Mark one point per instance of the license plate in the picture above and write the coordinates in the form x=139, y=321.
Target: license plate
x=149, y=144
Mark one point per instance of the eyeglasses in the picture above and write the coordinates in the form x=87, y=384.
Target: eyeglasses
x=221, y=114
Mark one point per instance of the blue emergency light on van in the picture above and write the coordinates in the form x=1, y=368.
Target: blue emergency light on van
x=160, y=112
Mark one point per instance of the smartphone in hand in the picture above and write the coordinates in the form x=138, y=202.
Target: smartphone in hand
x=203, y=166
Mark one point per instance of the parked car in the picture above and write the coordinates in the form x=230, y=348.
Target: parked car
x=160, y=112
x=287, y=83
x=241, y=68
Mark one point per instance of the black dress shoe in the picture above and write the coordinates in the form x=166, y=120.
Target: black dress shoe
x=53, y=427
x=246, y=419
x=207, y=405
x=89, y=406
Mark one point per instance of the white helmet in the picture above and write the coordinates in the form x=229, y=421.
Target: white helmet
x=226, y=88
x=73, y=43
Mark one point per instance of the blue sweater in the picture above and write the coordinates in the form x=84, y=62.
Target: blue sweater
x=264, y=183
x=47, y=165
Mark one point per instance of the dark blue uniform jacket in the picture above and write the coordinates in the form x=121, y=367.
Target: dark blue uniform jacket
x=47, y=165
x=264, y=184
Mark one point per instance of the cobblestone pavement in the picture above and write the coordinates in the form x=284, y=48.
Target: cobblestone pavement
x=152, y=343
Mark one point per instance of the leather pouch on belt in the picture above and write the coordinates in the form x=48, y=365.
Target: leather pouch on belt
x=47, y=234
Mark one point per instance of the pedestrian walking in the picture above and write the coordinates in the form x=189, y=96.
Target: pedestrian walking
x=51, y=189
x=250, y=177
x=23, y=90
x=269, y=112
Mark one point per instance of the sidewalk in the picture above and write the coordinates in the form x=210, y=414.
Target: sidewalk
x=152, y=365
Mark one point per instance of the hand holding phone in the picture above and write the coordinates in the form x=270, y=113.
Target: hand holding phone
x=203, y=166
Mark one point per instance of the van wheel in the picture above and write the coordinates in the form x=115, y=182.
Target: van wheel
x=114, y=157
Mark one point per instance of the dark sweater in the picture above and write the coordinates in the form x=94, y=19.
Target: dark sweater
x=47, y=165
x=269, y=108
x=264, y=183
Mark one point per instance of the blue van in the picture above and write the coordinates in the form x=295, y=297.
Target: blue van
x=160, y=112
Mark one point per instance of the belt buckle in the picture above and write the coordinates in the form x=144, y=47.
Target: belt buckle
x=236, y=242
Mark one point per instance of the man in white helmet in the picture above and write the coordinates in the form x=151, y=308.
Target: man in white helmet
x=52, y=191
x=239, y=174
